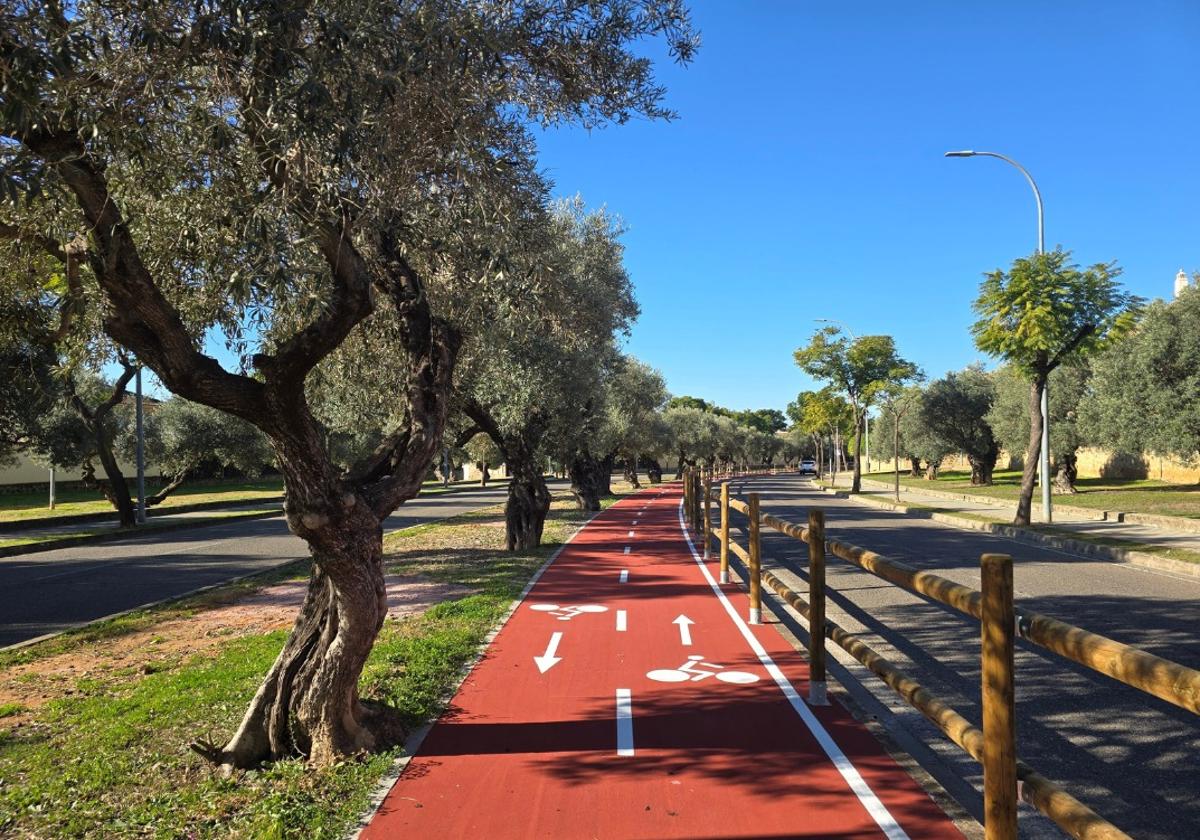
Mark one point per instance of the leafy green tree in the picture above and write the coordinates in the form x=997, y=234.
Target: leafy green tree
x=484, y=453
x=181, y=436
x=1009, y=417
x=955, y=410
x=1042, y=313
x=689, y=402
x=896, y=404
x=768, y=420
x=860, y=369
x=289, y=173
x=1145, y=392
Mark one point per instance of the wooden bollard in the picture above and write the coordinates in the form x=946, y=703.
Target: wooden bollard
x=998, y=628
x=816, y=608
x=687, y=495
x=707, y=517
x=755, y=570
x=724, y=532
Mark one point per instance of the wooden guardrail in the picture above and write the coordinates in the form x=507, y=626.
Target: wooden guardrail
x=1006, y=777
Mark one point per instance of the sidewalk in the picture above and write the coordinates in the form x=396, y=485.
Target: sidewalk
x=1069, y=522
x=626, y=697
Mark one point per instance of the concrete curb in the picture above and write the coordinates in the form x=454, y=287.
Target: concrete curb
x=110, y=515
x=1013, y=532
x=1178, y=523
x=121, y=533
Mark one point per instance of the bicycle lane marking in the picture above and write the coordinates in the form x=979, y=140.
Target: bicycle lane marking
x=889, y=778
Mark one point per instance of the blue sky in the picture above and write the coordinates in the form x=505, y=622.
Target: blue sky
x=804, y=177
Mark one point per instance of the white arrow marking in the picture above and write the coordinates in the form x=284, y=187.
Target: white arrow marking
x=620, y=621
x=548, y=660
x=685, y=630
x=624, y=576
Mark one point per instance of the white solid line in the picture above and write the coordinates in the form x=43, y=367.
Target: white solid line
x=626, y=549
x=862, y=790
x=624, y=576
x=624, y=721
x=621, y=621
x=631, y=533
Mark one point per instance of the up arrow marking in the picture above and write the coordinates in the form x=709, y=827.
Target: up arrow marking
x=548, y=660
x=685, y=629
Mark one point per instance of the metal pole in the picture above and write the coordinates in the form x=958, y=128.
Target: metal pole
x=1044, y=458
x=867, y=440
x=51, y=488
x=141, y=455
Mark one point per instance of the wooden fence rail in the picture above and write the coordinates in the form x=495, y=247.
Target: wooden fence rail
x=1006, y=777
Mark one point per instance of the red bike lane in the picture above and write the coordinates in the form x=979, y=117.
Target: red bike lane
x=627, y=698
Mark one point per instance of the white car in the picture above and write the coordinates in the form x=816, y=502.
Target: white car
x=808, y=467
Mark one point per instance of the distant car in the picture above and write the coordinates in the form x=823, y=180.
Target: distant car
x=808, y=467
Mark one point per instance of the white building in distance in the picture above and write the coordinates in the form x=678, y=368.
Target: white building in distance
x=1181, y=282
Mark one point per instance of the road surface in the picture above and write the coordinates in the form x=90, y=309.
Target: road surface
x=1130, y=757
x=626, y=698
x=55, y=590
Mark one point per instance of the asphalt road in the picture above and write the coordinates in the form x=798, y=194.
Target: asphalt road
x=55, y=590
x=1129, y=756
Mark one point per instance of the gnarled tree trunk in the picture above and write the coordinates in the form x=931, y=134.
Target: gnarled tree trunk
x=1067, y=473
x=653, y=471
x=589, y=480
x=914, y=467
x=528, y=501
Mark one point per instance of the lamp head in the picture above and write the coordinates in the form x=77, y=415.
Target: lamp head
x=963, y=153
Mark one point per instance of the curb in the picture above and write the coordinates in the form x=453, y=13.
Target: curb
x=1013, y=532
x=110, y=515
x=1179, y=523
x=119, y=533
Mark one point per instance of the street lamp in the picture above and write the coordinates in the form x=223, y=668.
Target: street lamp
x=1044, y=460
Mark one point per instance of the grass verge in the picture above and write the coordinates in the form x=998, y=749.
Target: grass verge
x=1130, y=495
x=102, y=752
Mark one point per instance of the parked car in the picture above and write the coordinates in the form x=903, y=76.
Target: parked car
x=808, y=467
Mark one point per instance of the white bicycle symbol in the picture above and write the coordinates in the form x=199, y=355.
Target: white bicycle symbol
x=568, y=612
x=693, y=670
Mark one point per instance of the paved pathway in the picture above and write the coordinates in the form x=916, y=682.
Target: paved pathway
x=627, y=698
x=999, y=509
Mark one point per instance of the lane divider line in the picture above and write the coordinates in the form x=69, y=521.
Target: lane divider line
x=624, y=576
x=878, y=811
x=621, y=621
x=624, y=722
x=631, y=533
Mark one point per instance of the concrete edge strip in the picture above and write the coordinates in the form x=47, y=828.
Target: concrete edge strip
x=414, y=741
x=170, y=599
x=857, y=784
x=1013, y=532
x=117, y=534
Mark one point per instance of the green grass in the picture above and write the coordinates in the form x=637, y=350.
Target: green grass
x=16, y=507
x=1181, y=554
x=1130, y=495
x=106, y=757
x=151, y=525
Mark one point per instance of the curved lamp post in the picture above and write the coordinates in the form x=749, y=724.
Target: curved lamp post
x=1044, y=460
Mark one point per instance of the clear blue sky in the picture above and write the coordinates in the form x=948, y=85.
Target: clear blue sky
x=804, y=177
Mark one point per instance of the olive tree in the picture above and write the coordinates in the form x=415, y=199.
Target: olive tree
x=1143, y=395
x=1040, y=314
x=954, y=409
x=297, y=174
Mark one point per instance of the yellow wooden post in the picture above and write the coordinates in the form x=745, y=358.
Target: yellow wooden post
x=755, y=570
x=999, y=716
x=724, y=532
x=687, y=495
x=816, y=606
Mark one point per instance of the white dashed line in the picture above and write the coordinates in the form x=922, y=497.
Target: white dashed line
x=624, y=576
x=624, y=721
x=620, y=621
x=631, y=533
x=626, y=549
